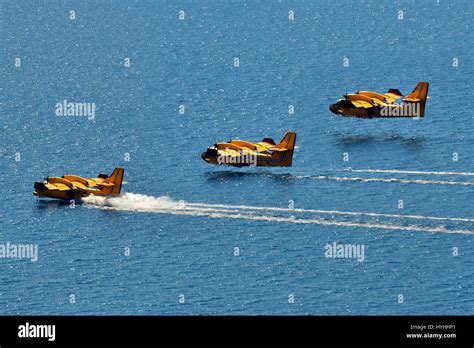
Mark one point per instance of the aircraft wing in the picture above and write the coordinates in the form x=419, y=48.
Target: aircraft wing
x=392, y=96
x=361, y=104
x=246, y=146
x=361, y=101
x=244, y=143
x=57, y=186
x=227, y=151
x=53, y=182
x=93, y=182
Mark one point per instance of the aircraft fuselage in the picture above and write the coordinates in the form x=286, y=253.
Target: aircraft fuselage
x=406, y=110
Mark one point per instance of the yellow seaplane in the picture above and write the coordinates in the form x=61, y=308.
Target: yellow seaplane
x=366, y=104
x=240, y=153
x=72, y=187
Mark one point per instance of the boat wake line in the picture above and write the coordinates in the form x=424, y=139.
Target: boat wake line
x=165, y=205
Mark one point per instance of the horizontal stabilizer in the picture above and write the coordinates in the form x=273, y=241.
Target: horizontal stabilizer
x=268, y=141
x=395, y=91
x=281, y=149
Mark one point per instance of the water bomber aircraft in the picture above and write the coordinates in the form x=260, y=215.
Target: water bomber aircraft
x=240, y=153
x=366, y=104
x=72, y=187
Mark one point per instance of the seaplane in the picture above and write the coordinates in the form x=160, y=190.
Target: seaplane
x=73, y=187
x=242, y=153
x=366, y=104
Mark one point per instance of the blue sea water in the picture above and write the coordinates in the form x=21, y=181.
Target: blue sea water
x=417, y=268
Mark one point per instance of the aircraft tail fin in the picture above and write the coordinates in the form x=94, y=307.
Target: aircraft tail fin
x=288, y=141
x=283, y=152
x=116, y=178
x=419, y=95
x=420, y=91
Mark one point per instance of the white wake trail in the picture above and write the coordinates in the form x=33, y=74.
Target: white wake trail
x=165, y=205
x=331, y=212
x=407, y=172
x=406, y=181
x=439, y=229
